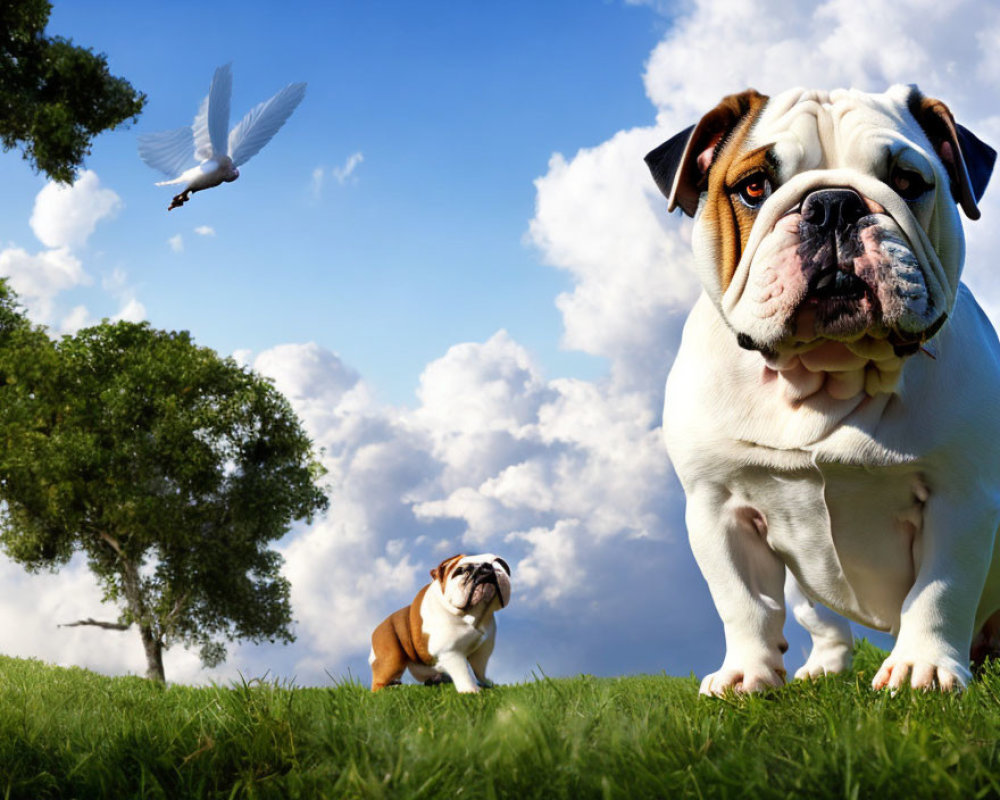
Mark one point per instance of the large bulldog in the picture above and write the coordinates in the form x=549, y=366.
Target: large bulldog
x=833, y=412
x=448, y=629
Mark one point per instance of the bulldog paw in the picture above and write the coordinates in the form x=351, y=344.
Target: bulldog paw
x=946, y=676
x=825, y=660
x=742, y=681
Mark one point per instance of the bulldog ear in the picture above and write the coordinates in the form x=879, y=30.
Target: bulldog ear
x=969, y=160
x=680, y=164
x=442, y=570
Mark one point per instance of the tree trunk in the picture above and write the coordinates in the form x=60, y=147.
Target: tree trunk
x=154, y=654
x=151, y=642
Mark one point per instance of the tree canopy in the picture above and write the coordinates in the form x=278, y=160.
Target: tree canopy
x=170, y=468
x=55, y=97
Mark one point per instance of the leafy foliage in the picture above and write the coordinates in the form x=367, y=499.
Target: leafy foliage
x=170, y=468
x=69, y=733
x=55, y=96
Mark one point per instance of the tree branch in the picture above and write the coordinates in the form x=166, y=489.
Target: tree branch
x=178, y=607
x=110, y=626
x=112, y=542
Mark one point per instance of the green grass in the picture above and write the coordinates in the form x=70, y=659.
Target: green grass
x=71, y=733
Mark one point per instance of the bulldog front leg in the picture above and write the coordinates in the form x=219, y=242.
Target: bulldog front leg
x=457, y=667
x=936, y=623
x=478, y=661
x=745, y=577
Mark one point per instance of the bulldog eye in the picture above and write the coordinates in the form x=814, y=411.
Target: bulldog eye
x=754, y=190
x=908, y=184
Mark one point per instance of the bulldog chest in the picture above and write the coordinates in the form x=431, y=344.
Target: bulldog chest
x=850, y=534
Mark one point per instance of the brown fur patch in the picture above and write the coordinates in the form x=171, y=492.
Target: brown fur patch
x=398, y=641
x=724, y=215
x=712, y=129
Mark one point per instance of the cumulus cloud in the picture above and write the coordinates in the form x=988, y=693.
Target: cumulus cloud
x=66, y=216
x=38, y=278
x=131, y=311
x=205, y=230
x=78, y=317
x=561, y=477
x=176, y=243
x=63, y=219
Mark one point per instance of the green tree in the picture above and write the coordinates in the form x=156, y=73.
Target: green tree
x=55, y=97
x=170, y=468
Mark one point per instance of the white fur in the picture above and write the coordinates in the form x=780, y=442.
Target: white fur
x=882, y=506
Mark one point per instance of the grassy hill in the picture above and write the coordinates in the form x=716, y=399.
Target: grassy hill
x=71, y=733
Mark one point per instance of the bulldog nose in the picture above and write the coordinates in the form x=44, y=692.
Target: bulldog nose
x=833, y=209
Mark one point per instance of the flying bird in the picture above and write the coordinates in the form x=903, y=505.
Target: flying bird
x=206, y=140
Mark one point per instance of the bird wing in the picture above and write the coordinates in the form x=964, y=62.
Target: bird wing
x=199, y=128
x=170, y=152
x=211, y=123
x=263, y=121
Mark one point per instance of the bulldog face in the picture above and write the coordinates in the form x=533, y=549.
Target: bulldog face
x=474, y=583
x=827, y=229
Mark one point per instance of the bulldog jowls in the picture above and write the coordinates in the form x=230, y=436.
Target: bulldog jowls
x=447, y=629
x=833, y=412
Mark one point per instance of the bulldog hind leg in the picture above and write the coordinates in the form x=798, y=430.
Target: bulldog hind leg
x=986, y=641
x=986, y=644
x=832, y=640
x=386, y=672
x=387, y=658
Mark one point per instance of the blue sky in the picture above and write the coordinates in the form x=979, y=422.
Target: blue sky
x=455, y=108
x=476, y=322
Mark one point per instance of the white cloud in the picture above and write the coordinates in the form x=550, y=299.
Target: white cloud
x=318, y=179
x=78, y=317
x=66, y=216
x=342, y=174
x=346, y=170
x=131, y=311
x=38, y=278
x=176, y=243
x=597, y=217
x=63, y=218
x=205, y=230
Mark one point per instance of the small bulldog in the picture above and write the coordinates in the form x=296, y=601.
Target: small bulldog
x=833, y=411
x=447, y=629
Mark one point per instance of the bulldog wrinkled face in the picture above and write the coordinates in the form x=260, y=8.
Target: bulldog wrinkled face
x=827, y=228
x=843, y=204
x=474, y=583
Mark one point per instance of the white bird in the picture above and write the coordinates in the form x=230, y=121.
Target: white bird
x=205, y=140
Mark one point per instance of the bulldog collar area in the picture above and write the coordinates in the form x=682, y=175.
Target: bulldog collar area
x=829, y=466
